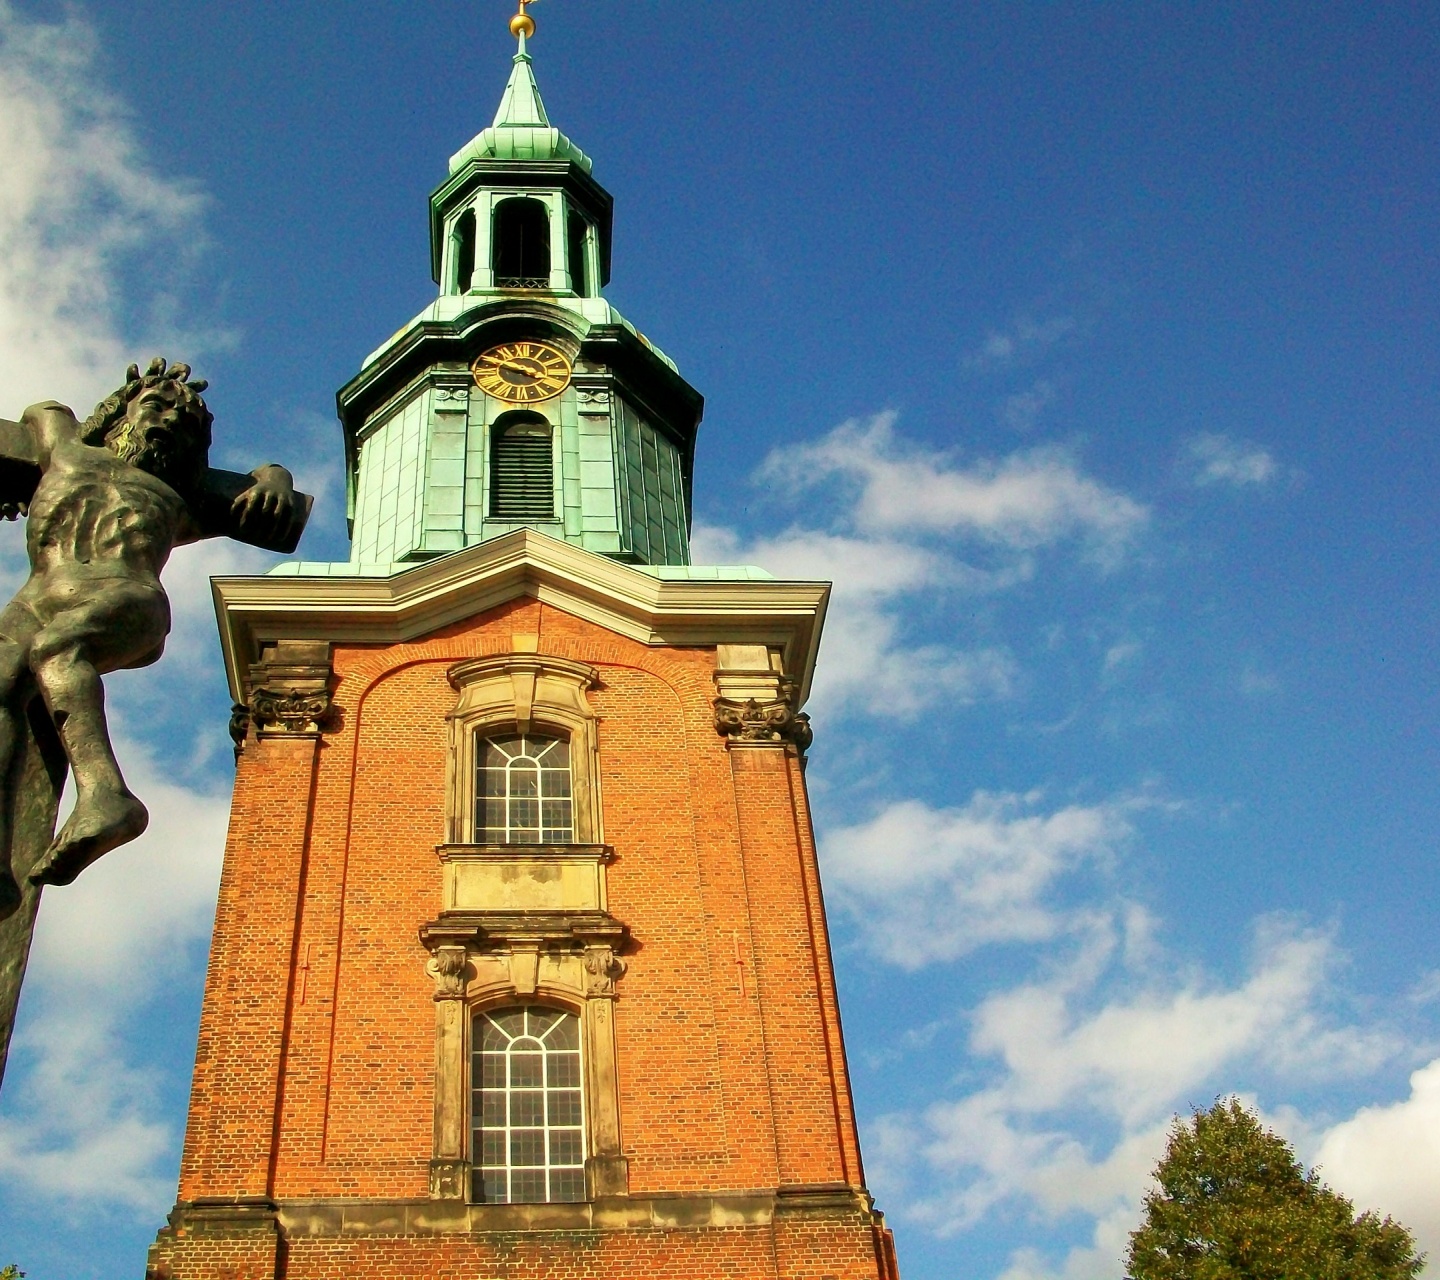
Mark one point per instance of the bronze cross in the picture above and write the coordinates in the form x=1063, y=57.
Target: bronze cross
x=105, y=501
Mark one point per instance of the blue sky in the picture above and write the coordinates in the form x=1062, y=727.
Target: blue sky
x=1091, y=350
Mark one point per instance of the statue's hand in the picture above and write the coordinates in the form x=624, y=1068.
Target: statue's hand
x=267, y=510
x=13, y=510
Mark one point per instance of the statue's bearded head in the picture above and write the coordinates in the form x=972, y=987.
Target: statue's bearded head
x=158, y=422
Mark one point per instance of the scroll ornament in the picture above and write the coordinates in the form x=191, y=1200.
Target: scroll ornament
x=448, y=967
x=289, y=711
x=604, y=969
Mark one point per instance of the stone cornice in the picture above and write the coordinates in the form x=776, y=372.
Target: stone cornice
x=484, y=929
x=253, y=612
x=350, y=1218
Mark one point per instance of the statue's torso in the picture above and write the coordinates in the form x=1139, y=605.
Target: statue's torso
x=100, y=515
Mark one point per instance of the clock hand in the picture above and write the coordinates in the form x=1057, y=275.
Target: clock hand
x=520, y=368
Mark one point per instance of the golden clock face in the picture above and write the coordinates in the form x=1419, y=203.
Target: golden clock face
x=522, y=372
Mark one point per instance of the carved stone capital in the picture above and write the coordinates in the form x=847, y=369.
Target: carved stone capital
x=603, y=969
x=450, y=399
x=289, y=690
x=754, y=722
x=593, y=399
x=285, y=711
x=448, y=967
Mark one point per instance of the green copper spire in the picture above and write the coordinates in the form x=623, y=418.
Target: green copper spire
x=521, y=104
x=521, y=130
x=439, y=460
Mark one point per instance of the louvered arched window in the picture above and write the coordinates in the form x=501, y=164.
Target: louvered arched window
x=522, y=469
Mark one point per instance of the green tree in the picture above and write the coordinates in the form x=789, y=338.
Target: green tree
x=1233, y=1203
x=12, y=1272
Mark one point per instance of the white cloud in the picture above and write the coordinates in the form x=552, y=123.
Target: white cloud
x=1121, y=654
x=902, y=523
x=868, y=664
x=1427, y=988
x=1020, y=502
x=1387, y=1158
x=927, y=885
x=1021, y=411
x=90, y=239
x=1138, y=1054
x=83, y=1121
x=1092, y=1060
x=1217, y=459
x=1098, y=1260
x=1255, y=682
x=1026, y=338
x=79, y=202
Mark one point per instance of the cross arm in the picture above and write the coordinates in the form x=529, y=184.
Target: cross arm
x=19, y=464
x=218, y=514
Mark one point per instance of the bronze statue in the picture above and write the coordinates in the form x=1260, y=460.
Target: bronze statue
x=106, y=500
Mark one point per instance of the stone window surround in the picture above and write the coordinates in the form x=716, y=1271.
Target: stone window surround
x=523, y=690
x=482, y=960
x=568, y=961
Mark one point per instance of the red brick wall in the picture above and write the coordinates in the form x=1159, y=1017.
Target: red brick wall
x=314, y=1077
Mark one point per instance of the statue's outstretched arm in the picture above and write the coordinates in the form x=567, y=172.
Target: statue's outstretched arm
x=25, y=452
x=262, y=508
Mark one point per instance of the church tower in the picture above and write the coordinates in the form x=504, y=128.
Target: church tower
x=520, y=965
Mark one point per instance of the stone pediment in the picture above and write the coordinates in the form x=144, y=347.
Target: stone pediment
x=675, y=606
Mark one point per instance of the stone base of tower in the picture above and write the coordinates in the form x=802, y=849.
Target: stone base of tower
x=808, y=1234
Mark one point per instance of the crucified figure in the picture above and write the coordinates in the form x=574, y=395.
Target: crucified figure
x=107, y=500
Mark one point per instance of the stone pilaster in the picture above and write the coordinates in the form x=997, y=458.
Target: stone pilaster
x=449, y=1171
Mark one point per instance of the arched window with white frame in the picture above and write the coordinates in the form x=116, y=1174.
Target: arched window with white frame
x=523, y=789
x=528, y=1107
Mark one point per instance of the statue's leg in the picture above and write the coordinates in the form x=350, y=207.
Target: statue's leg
x=106, y=814
x=12, y=662
x=118, y=623
x=33, y=797
x=10, y=892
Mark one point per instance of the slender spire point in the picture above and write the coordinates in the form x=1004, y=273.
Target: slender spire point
x=521, y=130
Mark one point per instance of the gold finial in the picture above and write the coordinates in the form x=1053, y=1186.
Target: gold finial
x=522, y=25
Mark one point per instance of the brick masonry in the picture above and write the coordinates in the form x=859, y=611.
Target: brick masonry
x=314, y=1078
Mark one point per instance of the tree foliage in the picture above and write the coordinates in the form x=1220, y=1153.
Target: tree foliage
x=1233, y=1203
x=12, y=1272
